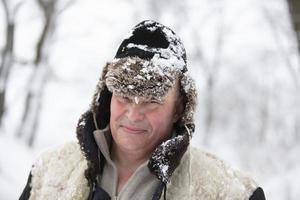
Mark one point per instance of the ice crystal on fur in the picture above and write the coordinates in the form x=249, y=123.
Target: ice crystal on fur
x=167, y=156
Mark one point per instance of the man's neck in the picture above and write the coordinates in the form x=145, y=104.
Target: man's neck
x=128, y=160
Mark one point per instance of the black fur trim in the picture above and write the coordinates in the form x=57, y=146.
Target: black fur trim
x=85, y=129
x=103, y=115
x=258, y=194
x=154, y=36
x=26, y=192
x=158, y=191
x=166, y=157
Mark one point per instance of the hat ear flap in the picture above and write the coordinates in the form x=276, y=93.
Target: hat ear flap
x=102, y=116
x=84, y=132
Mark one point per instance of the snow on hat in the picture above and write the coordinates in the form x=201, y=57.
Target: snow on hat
x=151, y=40
x=147, y=63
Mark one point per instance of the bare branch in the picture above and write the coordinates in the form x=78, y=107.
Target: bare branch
x=48, y=7
x=6, y=11
x=294, y=11
x=17, y=8
x=21, y=61
x=67, y=5
x=285, y=55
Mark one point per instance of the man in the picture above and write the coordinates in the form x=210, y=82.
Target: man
x=134, y=140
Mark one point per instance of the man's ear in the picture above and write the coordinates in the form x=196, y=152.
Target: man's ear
x=178, y=109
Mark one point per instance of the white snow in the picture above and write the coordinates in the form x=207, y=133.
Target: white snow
x=164, y=169
x=131, y=87
x=136, y=100
x=249, y=73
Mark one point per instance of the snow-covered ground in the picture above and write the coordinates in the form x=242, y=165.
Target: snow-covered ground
x=252, y=70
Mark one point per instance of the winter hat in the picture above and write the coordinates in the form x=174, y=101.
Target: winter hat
x=147, y=64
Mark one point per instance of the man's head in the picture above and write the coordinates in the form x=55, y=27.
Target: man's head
x=146, y=97
x=148, y=63
x=140, y=124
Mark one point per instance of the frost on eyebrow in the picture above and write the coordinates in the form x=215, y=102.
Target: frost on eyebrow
x=139, y=99
x=136, y=100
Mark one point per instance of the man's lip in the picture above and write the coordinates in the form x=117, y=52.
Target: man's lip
x=133, y=129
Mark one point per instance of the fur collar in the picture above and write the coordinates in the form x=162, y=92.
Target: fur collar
x=59, y=174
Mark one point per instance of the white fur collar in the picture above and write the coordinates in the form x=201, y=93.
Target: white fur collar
x=59, y=174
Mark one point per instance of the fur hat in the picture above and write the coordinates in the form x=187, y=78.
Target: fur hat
x=147, y=64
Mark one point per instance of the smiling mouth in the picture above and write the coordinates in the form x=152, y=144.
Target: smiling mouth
x=133, y=130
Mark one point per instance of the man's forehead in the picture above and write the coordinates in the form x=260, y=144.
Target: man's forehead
x=172, y=92
x=140, y=99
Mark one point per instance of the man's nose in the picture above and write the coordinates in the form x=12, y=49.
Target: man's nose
x=135, y=112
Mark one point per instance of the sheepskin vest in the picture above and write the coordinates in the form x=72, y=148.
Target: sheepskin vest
x=59, y=174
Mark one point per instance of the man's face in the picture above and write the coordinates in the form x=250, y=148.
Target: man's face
x=141, y=125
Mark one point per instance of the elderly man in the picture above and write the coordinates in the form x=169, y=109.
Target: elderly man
x=134, y=140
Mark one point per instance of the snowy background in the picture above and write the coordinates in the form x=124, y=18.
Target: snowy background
x=242, y=54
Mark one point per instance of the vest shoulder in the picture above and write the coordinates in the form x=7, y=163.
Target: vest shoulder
x=205, y=176
x=59, y=174
x=69, y=153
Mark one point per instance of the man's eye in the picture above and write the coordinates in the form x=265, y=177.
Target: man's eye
x=155, y=102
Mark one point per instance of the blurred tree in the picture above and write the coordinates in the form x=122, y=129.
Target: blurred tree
x=294, y=15
x=284, y=52
x=8, y=50
x=211, y=66
x=50, y=10
x=294, y=10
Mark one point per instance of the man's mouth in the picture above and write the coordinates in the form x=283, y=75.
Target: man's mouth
x=133, y=129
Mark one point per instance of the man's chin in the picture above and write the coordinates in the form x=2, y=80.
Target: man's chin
x=132, y=141
x=132, y=146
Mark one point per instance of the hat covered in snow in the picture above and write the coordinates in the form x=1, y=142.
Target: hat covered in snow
x=147, y=64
